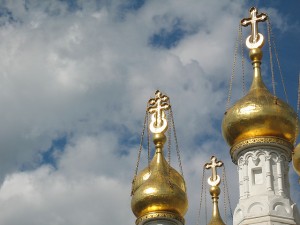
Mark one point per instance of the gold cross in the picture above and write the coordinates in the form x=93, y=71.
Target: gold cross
x=157, y=106
x=213, y=166
x=253, y=21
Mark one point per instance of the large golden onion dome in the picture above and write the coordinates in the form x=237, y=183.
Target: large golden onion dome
x=159, y=191
x=259, y=113
x=296, y=159
x=159, y=188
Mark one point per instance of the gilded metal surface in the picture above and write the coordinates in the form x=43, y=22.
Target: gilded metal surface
x=159, y=189
x=255, y=40
x=296, y=159
x=214, y=181
x=157, y=107
x=259, y=113
x=240, y=146
x=157, y=215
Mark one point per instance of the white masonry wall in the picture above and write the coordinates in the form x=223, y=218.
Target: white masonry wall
x=264, y=187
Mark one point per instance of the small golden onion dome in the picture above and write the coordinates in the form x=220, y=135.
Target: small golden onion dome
x=296, y=159
x=159, y=187
x=259, y=113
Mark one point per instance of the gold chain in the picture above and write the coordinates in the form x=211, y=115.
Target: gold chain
x=169, y=148
x=277, y=59
x=243, y=59
x=176, y=142
x=203, y=186
x=271, y=56
x=140, y=149
x=226, y=194
x=298, y=106
x=148, y=140
x=233, y=69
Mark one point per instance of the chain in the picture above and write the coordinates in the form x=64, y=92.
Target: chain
x=201, y=196
x=140, y=149
x=176, y=142
x=298, y=106
x=224, y=191
x=227, y=192
x=169, y=139
x=233, y=69
x=271, y=56
x=277, y=59
x=243, y=58
x=148, y=142
x=169, y=150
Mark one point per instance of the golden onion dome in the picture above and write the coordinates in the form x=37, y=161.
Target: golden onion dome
x=259, y=113
x=159, y=187
x=296, y=159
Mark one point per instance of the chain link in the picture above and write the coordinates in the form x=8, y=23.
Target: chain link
x=226, y=194
x=148, y=141
x=277, y=59
x=176, y=141
x=169, y=148
x=243, y=58
x=203, y=183
x=271, y=56
x=298, y=106
x=140, y=149
x=233, y=68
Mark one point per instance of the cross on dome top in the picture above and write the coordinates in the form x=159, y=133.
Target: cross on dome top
x=157, y=107
x=255, y=40
x=214, y=180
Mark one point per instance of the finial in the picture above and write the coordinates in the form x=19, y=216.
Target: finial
x=214, y=182
x=157, y=107
x=256, y=39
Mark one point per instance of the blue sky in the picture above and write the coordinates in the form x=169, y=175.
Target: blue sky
x=74, y=82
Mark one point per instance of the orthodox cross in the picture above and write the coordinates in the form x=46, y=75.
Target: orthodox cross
x=157, y=106
x=253, y=21
x=213, y=166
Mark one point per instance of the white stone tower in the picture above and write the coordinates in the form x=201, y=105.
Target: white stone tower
x=261, y=130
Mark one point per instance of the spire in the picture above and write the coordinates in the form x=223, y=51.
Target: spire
x=258, y=117
x=255, y=42
x=214, y=182
x=261, y=130
x=159, y=191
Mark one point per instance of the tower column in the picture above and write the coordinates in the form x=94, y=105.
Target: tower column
x=267, y=201
x=279, y=174
x=241, y=182
x=268, y=172
x=246, y=179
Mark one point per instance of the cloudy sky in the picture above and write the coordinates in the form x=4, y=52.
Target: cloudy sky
x=74, y=82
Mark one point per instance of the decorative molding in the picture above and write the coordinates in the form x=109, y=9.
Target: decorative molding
x=159, y=215
x=264, y=185
x=259, y=141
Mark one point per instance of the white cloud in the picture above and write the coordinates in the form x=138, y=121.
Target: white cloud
x=86, y=75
